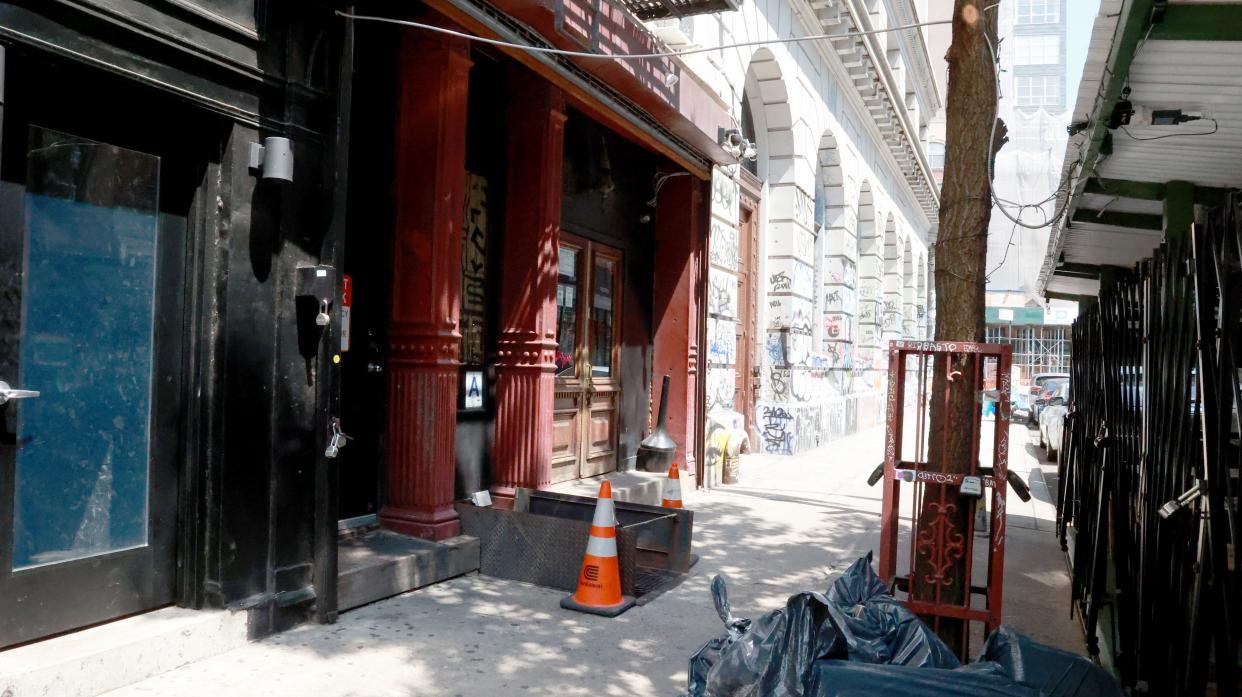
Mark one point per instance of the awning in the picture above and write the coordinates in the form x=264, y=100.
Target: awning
x=1176, y=55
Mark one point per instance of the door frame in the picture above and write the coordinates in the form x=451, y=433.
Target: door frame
x=168, y=568
x=587, y=388
x=750, y=200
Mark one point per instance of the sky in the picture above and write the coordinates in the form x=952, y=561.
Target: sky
x=1079, y=18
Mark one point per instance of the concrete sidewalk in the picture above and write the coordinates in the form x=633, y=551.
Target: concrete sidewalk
x=789, y=526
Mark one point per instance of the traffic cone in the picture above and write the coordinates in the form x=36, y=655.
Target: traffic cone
x=672, y=489
x=599, y=582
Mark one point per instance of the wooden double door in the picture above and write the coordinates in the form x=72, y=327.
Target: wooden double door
x=588, y=335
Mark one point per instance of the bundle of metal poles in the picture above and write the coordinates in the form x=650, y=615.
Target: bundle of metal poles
x=1147, y=509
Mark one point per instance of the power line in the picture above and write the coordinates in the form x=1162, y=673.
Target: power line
x=1215, y=128
x=631, y=56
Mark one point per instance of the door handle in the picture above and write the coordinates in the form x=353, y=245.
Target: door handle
x=7, y=393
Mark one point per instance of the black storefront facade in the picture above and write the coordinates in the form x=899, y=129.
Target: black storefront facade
x=192, y=317
x=160, y=297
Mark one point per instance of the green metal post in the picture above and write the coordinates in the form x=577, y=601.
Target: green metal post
x=1179, y=209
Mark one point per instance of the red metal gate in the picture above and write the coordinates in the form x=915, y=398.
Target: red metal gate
x=933, y=533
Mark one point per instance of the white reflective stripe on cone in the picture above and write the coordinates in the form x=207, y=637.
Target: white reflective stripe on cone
x=602, y=546
x=672, y=489
x=605, y=514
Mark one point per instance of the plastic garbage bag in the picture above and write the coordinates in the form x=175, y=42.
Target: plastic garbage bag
x=769, y=658
x=1054, y=672
x=858, y=640
x=877, y=627
x=850, y=679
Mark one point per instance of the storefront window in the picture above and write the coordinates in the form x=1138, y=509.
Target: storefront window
x=566, y=310
x=602, y=315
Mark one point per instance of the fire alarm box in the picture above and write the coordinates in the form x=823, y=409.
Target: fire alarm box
x=347, y=301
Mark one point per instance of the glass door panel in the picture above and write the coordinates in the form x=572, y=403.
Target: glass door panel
x=587, y=390
x=86, y=346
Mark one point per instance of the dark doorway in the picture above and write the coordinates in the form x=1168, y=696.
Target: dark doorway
x=367, y=267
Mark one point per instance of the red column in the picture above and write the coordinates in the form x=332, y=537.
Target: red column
x=681, y=231
x=424, y=341
x=525, y=361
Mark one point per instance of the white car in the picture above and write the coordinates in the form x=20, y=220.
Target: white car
x=1052, y=426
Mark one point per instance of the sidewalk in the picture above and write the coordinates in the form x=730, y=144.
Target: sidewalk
x=789, y=526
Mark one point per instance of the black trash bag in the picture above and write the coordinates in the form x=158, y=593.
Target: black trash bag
x=770, y=657
x=877, y=627
x=858, y=640
x=1054, y=672
x=773, y=657
x=830, y=678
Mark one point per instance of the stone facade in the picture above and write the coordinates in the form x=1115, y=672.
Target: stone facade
x=846, y=223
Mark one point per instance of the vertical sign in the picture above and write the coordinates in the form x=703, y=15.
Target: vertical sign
x=347, y=301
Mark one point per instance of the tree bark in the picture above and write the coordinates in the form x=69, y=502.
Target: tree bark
x=961, y=259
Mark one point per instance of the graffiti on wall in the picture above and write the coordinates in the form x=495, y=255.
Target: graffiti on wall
x=724, y=244
x=725, y=196
x=774, y=429
x=722, y=294
x=721, y=384
x=804, y=208
x=868, y=289
x=721, y=341
x=789, y=312
x=837, y=326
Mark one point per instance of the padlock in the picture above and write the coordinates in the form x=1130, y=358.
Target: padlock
x=322, y=318
x=337, y=440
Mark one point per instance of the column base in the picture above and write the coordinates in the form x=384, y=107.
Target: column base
x=429, y=525
x=503, y=497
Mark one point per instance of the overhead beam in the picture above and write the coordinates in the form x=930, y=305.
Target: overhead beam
x=1054, y=295
x=1071, y=269
x=1149, y=191
x=1138, y=221
x=1130, y=29
x=1199, y=23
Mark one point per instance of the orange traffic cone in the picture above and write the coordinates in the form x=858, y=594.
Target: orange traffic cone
x=599, y=582
x=672, y=488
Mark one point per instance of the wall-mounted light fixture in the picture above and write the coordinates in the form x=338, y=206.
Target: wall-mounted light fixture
x=734, y=143
x=274, y=158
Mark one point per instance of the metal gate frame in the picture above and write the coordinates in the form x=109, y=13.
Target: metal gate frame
x=937, y=539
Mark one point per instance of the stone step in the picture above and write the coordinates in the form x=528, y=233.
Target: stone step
x=109, y=656
x=381, y=564
x=635, y=486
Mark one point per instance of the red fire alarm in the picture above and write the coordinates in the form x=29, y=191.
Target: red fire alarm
x=347, y=300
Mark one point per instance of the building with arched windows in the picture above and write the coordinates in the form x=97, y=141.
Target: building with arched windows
x=837, y=211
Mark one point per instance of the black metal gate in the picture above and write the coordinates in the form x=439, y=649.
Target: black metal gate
x=1147, y=508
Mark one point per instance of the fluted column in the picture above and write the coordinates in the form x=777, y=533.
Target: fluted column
x=424, y=340
x=681, y=230
x=526, y=348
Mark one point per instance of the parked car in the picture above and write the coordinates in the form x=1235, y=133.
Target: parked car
x=1043, y=388
x=1020, y=408
x=1052, y=423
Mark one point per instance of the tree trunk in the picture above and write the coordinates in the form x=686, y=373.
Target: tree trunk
x=960, y=258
